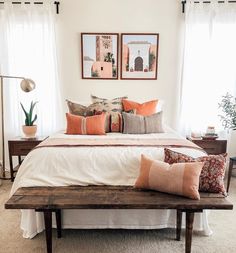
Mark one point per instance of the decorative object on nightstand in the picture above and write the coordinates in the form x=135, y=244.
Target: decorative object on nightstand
x=21, y=147
x=29, y=129
x=211, y=146
x=210, y=134
x=27, y=85
x=232, y=162
x=228, y=107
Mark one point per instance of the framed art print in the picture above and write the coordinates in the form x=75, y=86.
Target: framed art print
x=99, y=55
x=139, y=56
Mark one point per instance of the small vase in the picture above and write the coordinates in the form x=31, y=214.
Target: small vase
x=29, y=131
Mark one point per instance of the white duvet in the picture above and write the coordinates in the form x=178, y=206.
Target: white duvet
x=62, y=166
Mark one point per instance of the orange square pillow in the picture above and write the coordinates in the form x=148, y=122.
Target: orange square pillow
x=85, y=125
x=178, y=178
x=145, y=109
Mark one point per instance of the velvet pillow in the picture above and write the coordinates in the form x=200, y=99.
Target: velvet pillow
x=178, y=178
x=92, y=125
x=213, y=171
x=145, y=109
x=138, y=124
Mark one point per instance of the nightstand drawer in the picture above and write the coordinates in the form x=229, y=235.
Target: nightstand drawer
x=19, y=149
x=212, y=147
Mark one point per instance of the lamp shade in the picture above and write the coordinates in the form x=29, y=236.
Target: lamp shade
x=27, y=85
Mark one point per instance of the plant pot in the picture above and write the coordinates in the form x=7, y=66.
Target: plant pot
x=29, y=131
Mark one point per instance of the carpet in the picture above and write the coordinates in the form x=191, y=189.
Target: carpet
x=223, y=224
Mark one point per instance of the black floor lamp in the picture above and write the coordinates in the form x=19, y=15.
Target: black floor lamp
x=26, y=85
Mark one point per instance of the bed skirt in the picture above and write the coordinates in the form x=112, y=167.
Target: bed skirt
x=32, y=223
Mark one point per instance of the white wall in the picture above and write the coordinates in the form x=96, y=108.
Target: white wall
x=156, y=16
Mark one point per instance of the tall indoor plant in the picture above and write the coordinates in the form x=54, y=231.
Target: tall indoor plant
x=228, y=118
x=29, y=128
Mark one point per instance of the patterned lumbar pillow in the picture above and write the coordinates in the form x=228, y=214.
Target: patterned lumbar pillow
x=179, y=178
x=213, y=171
x=138, y=124
x=116, y=122
x=94, y=125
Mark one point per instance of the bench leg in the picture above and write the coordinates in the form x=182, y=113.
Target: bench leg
x=48, y=229
x=58, y=220
x=189, y=231
x=178, y=224
x=229, y=174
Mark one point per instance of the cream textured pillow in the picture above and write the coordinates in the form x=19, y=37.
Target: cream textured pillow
x=178, y=178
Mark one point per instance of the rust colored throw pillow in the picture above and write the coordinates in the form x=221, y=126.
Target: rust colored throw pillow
x=92, y=125
x=213, y=171
x=145, y=109
x=179, y=178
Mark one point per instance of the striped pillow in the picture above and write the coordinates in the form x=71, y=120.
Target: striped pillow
x=179, y=178
x=92, y=125
x=138, y=124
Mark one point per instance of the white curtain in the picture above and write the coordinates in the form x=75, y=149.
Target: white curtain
x=209, y=69
x=28, y=49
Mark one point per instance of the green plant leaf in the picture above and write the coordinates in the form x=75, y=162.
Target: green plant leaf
x=35, y=118
x=27, y=122
x=26, y=114
x=32, y=105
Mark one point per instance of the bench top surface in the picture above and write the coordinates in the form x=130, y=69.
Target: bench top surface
x=109, y=197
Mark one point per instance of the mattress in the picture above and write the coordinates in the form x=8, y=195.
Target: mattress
x=108, y=164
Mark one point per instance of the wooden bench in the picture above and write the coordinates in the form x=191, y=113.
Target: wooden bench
x=55, y=199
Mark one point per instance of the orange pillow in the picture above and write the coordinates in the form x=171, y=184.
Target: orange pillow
x=145, y=109
x=85, y=125
x=178, y=178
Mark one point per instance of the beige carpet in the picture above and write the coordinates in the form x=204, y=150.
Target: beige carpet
x=223, y=224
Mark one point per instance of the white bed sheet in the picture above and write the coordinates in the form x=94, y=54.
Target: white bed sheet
x=96, y=165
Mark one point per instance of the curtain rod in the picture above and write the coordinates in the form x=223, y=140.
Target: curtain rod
x=57, y=3
x=205, y=2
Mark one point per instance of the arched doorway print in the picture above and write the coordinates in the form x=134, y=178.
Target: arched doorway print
x=138, y=64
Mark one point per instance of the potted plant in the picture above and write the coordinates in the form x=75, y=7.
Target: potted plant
x=228, y=107
x=29, y=128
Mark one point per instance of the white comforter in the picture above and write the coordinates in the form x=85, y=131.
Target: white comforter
x=96, y=165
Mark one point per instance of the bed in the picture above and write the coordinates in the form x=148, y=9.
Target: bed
x=112, y=159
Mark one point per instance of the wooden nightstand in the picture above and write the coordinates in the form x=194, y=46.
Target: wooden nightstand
x=21, y=147
x=212, y=147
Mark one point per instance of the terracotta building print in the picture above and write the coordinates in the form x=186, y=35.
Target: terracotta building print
x=99, y=56
x=139, y=56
